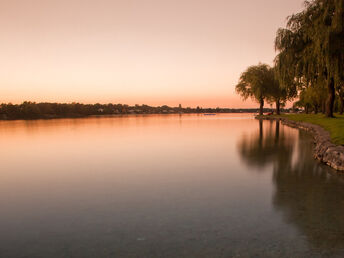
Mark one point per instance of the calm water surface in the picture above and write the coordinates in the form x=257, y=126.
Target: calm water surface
x=165, y=186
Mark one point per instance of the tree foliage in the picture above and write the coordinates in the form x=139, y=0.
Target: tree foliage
x=311, y=49
x=259, y=83
x=255, y=83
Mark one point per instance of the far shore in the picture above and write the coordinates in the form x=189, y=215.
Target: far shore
x=44, y=110
x=118, y=115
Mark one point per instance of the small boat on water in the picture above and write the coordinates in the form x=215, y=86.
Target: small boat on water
x=211, y=114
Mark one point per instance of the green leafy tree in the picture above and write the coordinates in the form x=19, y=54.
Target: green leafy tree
x=311, y=47
x=278, y=94
x=255, y=83
x=259, y=83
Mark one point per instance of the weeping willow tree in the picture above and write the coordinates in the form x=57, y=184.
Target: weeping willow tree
x=258, y=82
x=312, y=99
x=278, y=94
x=311, y=48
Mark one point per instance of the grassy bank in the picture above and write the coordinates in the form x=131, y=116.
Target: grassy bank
x=334, y=125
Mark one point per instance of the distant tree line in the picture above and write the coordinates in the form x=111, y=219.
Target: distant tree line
x=32, y=110
x=309, y=64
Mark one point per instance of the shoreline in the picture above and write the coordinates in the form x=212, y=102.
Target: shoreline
x=117, y=115
x=325, y=150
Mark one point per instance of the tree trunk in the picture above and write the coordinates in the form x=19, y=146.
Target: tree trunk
x=306, y=108
x=278, y=104
x=323, y=107
x=330, y=98
x=341, y=104
x=316, y=109
x=261, y=102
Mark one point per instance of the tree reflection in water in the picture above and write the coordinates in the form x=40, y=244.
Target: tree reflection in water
x=309, y=195
x=266, y=146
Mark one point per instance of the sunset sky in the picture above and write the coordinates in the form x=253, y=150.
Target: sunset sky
x=151, y=52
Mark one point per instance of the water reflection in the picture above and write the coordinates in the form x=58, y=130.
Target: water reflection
x=266, y=146
x=165, y=186
x=309, y=195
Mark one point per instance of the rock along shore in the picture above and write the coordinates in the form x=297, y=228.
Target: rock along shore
x=325, y=151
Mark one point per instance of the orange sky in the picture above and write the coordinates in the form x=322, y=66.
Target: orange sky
x=151, y=52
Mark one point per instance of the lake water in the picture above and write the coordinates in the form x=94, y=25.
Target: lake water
x=165, y=186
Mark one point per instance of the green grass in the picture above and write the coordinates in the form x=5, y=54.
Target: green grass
x=334, y=125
